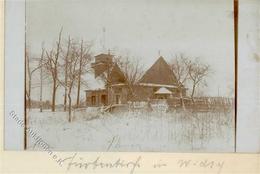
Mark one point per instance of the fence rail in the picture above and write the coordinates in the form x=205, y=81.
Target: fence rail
x=203, y=104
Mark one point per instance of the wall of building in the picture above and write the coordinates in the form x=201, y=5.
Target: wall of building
x=147, y=92
x=96, y=98
x=118, y=95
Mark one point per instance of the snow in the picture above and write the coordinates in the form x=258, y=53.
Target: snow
x=134, y=131
x=94, y=83
x=158, y=85
x=163, y=90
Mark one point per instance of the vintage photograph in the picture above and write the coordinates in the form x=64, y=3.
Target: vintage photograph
x=130, y=76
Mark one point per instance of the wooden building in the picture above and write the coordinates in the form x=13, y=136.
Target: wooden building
x=159, y=82
x=105, y=68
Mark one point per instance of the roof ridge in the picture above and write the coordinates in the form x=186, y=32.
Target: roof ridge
x=159, y=73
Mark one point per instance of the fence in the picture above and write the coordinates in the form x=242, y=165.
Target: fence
x=203, y=104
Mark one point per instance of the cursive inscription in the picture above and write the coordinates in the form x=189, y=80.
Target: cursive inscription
x=218, y=165
x=98, y=163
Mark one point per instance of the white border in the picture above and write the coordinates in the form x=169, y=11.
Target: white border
x=248, y=123
x=14, y=73
x=248, y=112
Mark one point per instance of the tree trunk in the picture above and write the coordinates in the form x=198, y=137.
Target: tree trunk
x=66, y=83
x=192, y=93
x=69, y=96
x=41, y=95
x=70, y=119
x=66, y=76
x=55, y=75
x=54, y=88
x=41, y=85
x=182, y=102
x=65, y=99
x=80, y=72
x=78, y=93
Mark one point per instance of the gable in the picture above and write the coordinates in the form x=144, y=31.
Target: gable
x=159, y=73
x=116, y=75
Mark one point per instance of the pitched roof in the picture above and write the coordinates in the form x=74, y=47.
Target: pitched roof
x=102, y=55
x=97, y=83
x=159, y=73
x=116, y=75
x=104, y=64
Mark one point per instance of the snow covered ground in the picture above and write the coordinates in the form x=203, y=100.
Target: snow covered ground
x=153, y=131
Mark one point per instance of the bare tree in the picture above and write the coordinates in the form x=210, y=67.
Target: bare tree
x=52, y=64
x=29, y=72
x=41, y=77
x=73, y=62
x=66, y=73
x=197, y=73
x=106, y=75
x=133, y=71
x=76, y=58
x=180, y=65
x=128, y=69
x=84, y=60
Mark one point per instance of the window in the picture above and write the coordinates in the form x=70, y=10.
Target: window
x=118, y=101
x=104, y=99
x=93, y=100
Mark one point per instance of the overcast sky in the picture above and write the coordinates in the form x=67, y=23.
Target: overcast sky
x=142, y=28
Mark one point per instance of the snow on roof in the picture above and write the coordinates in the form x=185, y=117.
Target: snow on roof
x=157, y=85
x=94, y=83
x=163, y=90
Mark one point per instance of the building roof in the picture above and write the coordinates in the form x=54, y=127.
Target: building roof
x=94, y=83
x=102, y=63
x=159, y=73
x=104, y=55
x=158, y=85
x=163, y=90
x=116, y=75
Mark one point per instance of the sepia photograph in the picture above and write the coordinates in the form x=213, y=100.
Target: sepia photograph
x=130, y=76
x=130, y=86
